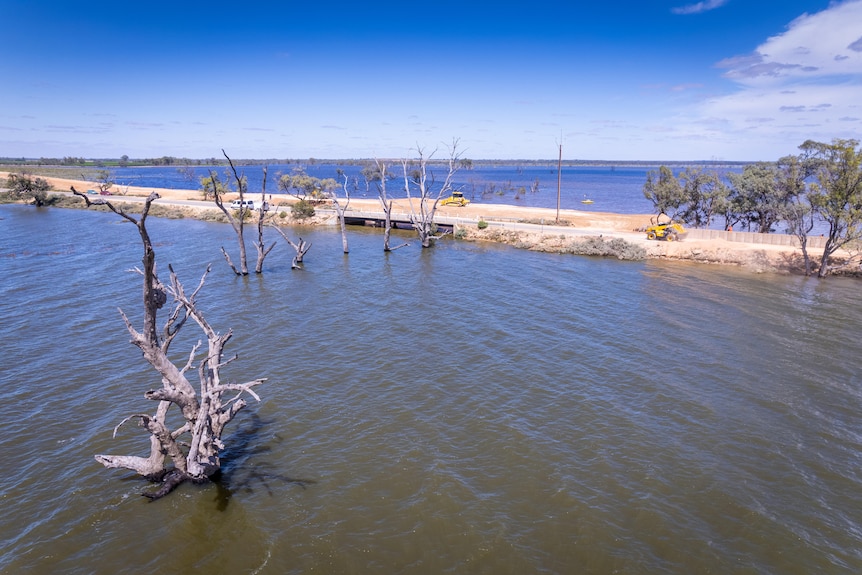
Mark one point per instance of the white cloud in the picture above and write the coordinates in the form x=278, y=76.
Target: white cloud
x=699, y=7
x=804, y=83
x=821, y=45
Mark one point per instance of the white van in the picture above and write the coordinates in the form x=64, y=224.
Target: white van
x=237, y=204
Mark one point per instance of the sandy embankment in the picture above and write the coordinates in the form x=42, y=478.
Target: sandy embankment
x=758, y=257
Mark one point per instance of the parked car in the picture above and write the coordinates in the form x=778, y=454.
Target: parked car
x=237, y=204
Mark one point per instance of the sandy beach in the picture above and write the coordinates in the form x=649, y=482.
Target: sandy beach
x=758, y=257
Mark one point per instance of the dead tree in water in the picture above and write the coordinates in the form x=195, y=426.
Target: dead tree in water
x=262, y=250
x=238, y=223
x=301, y=248
x=423, y=183
x=380, y=178
x=195, y=445
x=339, y=209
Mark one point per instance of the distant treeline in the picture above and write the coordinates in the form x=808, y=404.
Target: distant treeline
x=125, y=161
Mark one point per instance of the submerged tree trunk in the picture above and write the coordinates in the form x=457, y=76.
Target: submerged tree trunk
x=386, y=203
x=423, y=183
x=195, y=444
x=262, y=250
x=238, y=226
x=339, y=209
x=800, y=222
x=300, y=248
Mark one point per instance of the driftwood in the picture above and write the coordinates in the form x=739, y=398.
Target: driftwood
x=194, y=446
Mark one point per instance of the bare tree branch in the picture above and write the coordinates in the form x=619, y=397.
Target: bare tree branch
x=423, y=182
x=206, y=413
x=262, y=250
x=386, y=203
x=340, y=211
x=300, y=248
x=238, y=225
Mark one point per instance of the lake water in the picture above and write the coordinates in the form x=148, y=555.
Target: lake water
x=465, y=409
x=612, y=188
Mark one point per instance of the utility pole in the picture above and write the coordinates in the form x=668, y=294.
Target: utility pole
x=559, y=181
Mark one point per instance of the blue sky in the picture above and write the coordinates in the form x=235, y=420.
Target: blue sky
x=624, y=80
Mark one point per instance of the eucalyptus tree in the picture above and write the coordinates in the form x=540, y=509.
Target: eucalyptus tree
x=836, y=193
x=665, y=192
x=308, y=190
x=705, y=196
x=759, y=196
x=191, y=439
x=25, y=186
x=212, y=185
x=304, y=187
x=798, y=213
x=104, y=181
x=371, y=174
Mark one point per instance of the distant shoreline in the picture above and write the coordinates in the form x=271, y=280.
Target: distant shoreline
x=536, y=231
x=7, y=164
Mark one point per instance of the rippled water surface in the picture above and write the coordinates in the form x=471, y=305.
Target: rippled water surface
x=611, y=188
x=465, y=409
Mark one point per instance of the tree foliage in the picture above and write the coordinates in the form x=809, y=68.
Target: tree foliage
x=665, y=192
x=705, y=196
x=756, y=199
x=836, y=192
x=695, y=196
x=104, y=181
x=300, y=185
x=822, y=185
x=212, y=186
x=25, y=186
x=798, y=214
x=302, y=209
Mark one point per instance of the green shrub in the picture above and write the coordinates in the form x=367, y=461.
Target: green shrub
x=482, y=224
x=282, y=215
x=302, y=210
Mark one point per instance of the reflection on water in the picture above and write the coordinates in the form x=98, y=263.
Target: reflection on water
x=470, y=409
